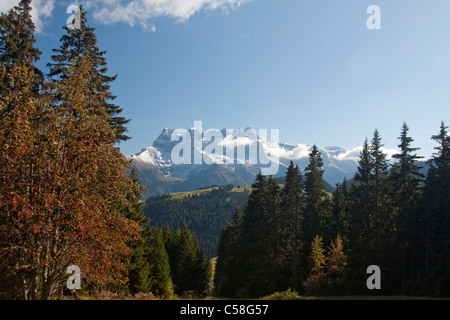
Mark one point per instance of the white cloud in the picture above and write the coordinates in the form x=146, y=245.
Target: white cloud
x=355, y=153
x=389, y=152
x=300, y=151
x=352, y=154
x=5, y=5
x=41, y=10
x=141, y=12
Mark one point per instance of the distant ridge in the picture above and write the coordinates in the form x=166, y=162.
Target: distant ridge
x=160, y=175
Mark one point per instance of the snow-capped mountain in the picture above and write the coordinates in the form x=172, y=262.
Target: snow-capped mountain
x=161, y=173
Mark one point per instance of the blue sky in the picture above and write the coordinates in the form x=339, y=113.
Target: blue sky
x=310, y=68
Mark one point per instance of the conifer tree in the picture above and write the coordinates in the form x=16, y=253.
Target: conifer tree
x=405, y=172
x=406, y=182
x=371, y=211
x=317, y=257
x=17, y=35
x=160, y=280
x=340, y=209
x=292, y=207
x=437, y=219
x=359, y=194
x=317, y=201
x=336, y=266
x=291, y=226
x=316, y=279
x=83, y=42
x=226, y=276
x=378, y=157
x=272, y=224
x=253, y=249
x=190, y=269
x=17, y=42
x=364, y=165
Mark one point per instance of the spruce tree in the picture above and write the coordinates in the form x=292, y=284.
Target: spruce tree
x=364, y=169
x=340, y=211
x=406, y=183
x=226, y=276
x=83, y=42
x=437, y=219
x=160, y=280
x=290, y=227
x=371, y=210
x=378, y=157
x=359, y=195
x=380, y=215
x=274, y=276
x=292, y=209
x=317, y=201
x=17, y=35
x=190, y=269
x=17, y=43
x=253, y=248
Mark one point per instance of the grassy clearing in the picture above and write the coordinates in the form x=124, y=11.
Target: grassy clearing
x=182, y=195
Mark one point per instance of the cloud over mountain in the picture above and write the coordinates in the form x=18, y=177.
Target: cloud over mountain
x=160, y=174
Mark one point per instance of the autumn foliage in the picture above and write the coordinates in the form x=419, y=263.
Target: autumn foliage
x=65, y=189
x=63, y=185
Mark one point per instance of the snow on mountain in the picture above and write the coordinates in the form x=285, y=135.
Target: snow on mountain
x=160, y=174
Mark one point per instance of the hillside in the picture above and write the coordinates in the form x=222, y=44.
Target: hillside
x=159, y=174
x=206, y=212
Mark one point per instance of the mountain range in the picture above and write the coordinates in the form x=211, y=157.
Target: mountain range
x=159, y=174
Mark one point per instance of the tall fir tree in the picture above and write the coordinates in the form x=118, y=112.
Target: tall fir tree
x=253, y=249
x=406, y=181
x=78, y=42
x=160, y=279
x=17, y=35
x=340, y=211
x=274, y=276
x=380, y=218
x=437, y=218
x=291, y=226
x=17, y=43
x=190, y=268
x=226, y=276
x=317, y=201
x=365, y=165
x=372, y=213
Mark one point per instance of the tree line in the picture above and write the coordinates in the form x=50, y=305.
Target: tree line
x=67, y=195
x=206, y=214
x=302, y=238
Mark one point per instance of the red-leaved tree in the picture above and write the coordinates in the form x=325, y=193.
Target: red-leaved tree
x=63, y=186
